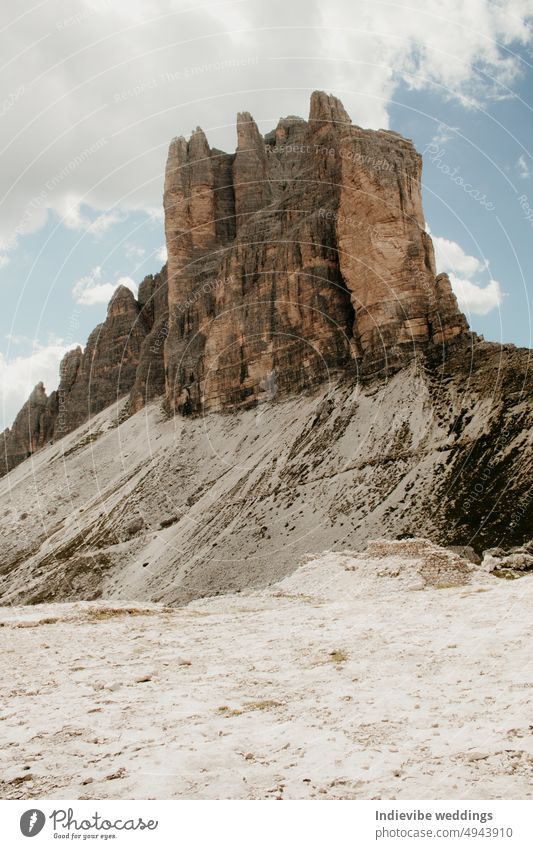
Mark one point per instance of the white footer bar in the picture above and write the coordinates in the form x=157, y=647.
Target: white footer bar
x=268, y=824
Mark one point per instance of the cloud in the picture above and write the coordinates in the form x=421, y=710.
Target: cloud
x=477, y=299
x=452, y=258
x=523, y=167
x=104, y=223
x=19, y=375
x=133, y=251
x=106, y=85
x=91, y=290
x=472, y=295
x=162, y=254
x=443, y=134
x=70, y=210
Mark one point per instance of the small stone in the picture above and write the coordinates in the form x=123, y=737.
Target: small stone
x=478, y=756
x=135, y=527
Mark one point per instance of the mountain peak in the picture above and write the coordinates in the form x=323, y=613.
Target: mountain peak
x=327, y=108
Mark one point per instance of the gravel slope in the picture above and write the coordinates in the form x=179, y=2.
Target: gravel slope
x=172, y=510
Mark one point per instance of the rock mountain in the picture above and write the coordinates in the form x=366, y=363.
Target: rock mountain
x=301, y=296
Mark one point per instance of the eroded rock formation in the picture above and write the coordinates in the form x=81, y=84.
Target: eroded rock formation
x=123, y=355
x=32, y=428
x=302, y=254
x=150, y=373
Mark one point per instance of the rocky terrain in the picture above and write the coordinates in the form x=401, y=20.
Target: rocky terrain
x=123, y=355
x=168, y=509
x=298, y=377
x=397, y=673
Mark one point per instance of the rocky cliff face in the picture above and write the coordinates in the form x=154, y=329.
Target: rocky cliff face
x=32, y=428
x=150, y=373
x=106, y=370
x=302, y=254
x=123, y=355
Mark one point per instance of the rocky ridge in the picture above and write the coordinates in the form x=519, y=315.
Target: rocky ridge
x=123, y=355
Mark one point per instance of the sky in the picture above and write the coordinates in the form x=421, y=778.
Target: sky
x=94, y=90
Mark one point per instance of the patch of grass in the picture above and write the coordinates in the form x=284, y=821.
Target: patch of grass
x=446, y=585
x=338, y=656
x=506, y=574
x=225, y=710
x=111, y=612
x=262, y=704
x=50, y=620
x=295, y=596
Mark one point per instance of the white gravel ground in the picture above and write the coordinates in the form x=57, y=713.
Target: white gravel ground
x=359, y=676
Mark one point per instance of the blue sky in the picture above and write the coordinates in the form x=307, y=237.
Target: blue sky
x=93, y=91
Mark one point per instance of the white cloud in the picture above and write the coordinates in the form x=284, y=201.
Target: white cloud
x=523, y=167
x=472, y=295
x=104, y=223
x=452, y=258
x=444, y=133
x=475, y=298
x=69, y=208
x=162, y=254
x=106, y=85
x=4, y=260
x=133, y=251
x=156, y=213
x=19, y=375
x=91, y=289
